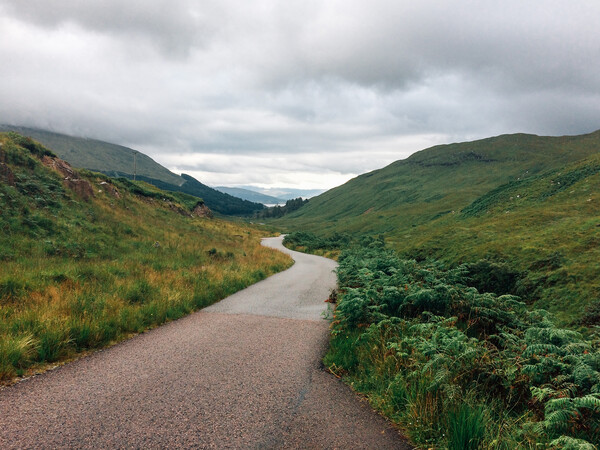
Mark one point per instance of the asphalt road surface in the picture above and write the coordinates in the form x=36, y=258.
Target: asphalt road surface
x=243, y=373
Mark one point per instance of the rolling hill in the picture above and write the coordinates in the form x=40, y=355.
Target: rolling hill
x=437, y=181
x=97, y=155
x=118, y=161
x=524, y=203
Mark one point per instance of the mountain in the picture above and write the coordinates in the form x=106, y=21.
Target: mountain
x=286, y=193
x=250, y=195
x=118, y=161
x=97, y=155
x=523, y=209
x=437, y=181
x=215, y=200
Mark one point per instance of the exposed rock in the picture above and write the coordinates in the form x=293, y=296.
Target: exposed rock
x=81, y=187
x=173, y=207
x=60, y=166
x=201, y=210
x=112, y=190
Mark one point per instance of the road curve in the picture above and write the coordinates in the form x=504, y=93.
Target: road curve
x=244, y=373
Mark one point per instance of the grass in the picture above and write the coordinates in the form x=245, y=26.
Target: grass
x=526, y=202
x=77, y=275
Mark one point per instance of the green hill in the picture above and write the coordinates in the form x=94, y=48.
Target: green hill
x=437, y=181
x=118, y=161
x=217, y=201
x=521, y=203
x=87, y=260
x=97, y=155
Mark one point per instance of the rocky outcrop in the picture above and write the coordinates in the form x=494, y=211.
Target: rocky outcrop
x=201, y=210
x=82, y=188
x=112, y=190
x=71, y=180
x=177, y=209
x=62, y=167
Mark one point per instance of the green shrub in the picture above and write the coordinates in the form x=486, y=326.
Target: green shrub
x=419, y=333
x=15, y=353
x=53, y=342
x=490, y=276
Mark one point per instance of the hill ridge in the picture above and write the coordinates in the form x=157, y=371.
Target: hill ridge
x=530, y=202
x=112, y=159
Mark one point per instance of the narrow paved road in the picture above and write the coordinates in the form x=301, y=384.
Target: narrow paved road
x=243, y=373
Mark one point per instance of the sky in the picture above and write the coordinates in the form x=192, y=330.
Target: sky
x=302, y=94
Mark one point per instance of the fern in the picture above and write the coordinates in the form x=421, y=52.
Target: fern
x=417, y=330
x=569, y=443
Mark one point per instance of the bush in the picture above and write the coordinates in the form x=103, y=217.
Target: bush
x=489, y=276
x=11, y=289
x=466, y=427
x=421, y=332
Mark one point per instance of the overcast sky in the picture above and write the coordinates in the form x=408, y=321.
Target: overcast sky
x=302, y=94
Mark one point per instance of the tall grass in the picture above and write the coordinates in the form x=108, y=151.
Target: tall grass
x=77, y=275
x=466, y=427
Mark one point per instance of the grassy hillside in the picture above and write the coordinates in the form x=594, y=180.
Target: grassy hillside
x=86, y=260
x=525, y=203
x=546, y=227
x=97, y=155
x=437, y=181
x=118, y=161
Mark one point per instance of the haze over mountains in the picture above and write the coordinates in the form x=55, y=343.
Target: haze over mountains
x=269, y=196
x=249, y=194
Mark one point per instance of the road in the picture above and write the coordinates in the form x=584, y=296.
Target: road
x=243, y=373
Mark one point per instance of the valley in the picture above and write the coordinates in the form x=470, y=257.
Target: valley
x=467, y=293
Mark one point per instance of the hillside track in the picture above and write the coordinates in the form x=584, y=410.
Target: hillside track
x=243, y=373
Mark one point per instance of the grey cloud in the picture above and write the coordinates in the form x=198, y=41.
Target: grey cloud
x=175, y=27
x=335, y=87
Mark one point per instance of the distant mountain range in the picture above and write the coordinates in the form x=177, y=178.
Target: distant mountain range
x=286, y=193
x=250, y=195
x=118, y=161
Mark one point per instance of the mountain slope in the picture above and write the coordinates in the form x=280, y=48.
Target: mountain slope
x=521, y=210
x=436, y=181
x=217, y=201
x=250, y=195
x=97, y=155
x=118, y=161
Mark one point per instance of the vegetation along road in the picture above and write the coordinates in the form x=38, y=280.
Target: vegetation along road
x=243, y=373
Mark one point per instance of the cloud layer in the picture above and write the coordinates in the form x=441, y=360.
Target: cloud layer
x=298, y=93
